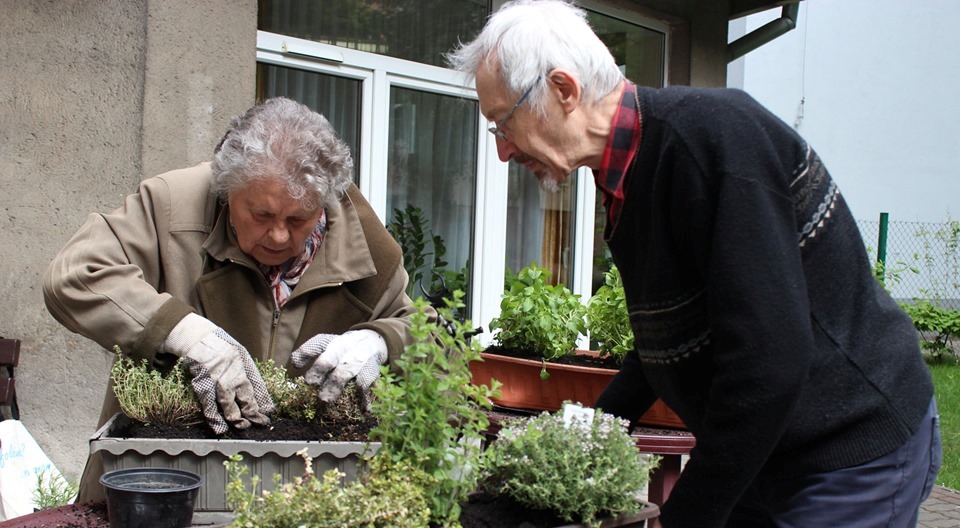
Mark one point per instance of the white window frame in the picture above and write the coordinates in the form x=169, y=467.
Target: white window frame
x=378, y=73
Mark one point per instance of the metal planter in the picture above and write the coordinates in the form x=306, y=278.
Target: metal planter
x=206, y=458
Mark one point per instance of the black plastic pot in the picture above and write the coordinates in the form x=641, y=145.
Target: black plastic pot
x=154, y=497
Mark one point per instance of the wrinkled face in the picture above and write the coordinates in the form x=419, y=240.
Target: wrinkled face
x=271, y=226
x=527, y=138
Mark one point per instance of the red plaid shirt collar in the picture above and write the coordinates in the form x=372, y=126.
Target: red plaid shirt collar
x=619, y=152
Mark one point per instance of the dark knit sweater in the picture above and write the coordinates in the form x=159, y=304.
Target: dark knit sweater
x=756, y=315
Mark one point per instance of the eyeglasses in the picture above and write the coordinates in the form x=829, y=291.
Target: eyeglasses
x=496, y=128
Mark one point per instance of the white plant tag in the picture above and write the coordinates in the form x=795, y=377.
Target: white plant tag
x=577, y=413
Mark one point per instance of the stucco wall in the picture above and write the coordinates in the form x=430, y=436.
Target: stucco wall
x=97, y=95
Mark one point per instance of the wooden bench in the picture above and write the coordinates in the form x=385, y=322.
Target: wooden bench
x=9, y=359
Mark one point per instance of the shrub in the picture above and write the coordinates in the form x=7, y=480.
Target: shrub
x=149, y=396
x=581, y=471
x=941, y=323
x=538, y=317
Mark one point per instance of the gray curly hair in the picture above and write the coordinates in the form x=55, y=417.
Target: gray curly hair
x=285, y=140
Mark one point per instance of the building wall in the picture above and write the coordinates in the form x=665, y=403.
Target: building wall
x=98, y=95
x=871, y=85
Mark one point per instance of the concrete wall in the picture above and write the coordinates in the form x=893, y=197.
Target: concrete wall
x=98, y=94
x=872, y=86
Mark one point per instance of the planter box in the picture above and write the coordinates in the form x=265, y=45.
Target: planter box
x=524, y=389
x=206, y=457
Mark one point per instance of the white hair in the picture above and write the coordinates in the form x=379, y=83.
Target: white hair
x=287, y=141
x=529, y=38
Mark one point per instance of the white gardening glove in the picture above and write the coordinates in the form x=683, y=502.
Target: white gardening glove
x=223, y=372
x=337, y=359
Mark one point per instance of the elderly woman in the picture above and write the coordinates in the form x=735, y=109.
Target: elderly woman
x=268, y=251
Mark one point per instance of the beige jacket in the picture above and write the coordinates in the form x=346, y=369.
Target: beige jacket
x=128, y=277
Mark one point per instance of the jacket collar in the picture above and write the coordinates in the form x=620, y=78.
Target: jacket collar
x=344, y=255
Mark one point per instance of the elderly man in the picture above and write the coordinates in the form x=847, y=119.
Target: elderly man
x=268, y=251
x=756, y=315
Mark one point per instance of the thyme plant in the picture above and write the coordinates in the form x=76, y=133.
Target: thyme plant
x=149, y=396
x=430, y=415
x=390, y=496
x=293, y=398
x=580, y=471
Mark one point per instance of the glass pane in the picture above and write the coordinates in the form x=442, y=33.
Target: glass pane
x=639, y=51
x=417, y=30
x=540, y=224
x=338, y=99
x=432, y=181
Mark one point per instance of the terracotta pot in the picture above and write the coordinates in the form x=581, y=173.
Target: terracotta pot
x=523, y=387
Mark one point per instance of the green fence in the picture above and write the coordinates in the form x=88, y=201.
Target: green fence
x=922, y=259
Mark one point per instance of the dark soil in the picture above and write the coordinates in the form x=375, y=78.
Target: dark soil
x=492, y=511
x=583, y=360
x=279, y=429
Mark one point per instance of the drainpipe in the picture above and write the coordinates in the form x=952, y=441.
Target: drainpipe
x=765, y=33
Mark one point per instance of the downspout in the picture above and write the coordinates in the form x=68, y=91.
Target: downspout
x=765, y=33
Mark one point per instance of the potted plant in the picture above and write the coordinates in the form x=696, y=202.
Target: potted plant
x=608, y=322
x=431, y=466
x=165, y=404
x=534, y=354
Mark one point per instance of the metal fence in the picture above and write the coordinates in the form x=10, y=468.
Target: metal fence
x=922, y=259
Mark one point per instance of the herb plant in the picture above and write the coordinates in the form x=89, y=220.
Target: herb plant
x=392, y=495
x=580, y=471
x=53, y=490
x=538, y=317
x=149, y=396
x=430, y=415
x=608, y=319
x=293, y=398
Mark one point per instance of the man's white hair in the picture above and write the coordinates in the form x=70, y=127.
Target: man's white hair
x=529, y=38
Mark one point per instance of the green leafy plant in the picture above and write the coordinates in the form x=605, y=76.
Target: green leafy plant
x=391, y=495
x=538, y=317
x=430, y=415
x=581, y=469
x=53, y=490
x=608, y=320
x=423, y=257
x=149, y=396
x=938, y=327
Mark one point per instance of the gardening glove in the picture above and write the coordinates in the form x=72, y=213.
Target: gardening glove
x=223, y=372
x=337, y=359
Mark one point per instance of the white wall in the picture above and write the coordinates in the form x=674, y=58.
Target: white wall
x=873, y=86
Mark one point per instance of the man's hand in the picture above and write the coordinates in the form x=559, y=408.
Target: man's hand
x=337, y=359
x=223, y=373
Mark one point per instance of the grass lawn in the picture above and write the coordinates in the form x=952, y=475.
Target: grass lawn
x=946, y=380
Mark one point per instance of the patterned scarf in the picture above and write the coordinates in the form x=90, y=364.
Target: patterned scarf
x=284, y=277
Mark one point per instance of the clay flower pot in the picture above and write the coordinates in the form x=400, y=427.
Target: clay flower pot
x=523, y=387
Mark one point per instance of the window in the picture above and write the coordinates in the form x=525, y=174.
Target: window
x=376, y=71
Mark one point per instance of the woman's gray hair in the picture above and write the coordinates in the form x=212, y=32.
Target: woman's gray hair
x=286, y=141
x=529, y=38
